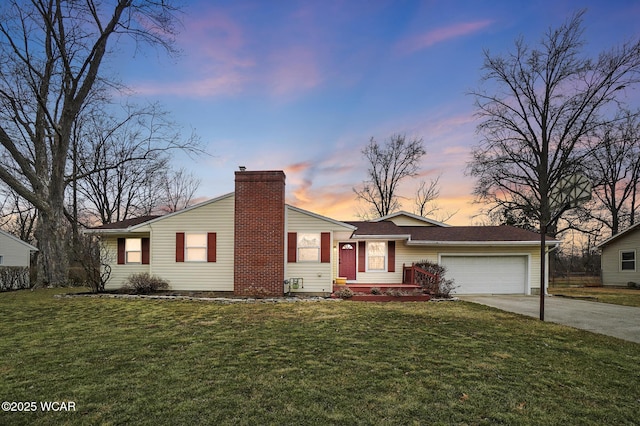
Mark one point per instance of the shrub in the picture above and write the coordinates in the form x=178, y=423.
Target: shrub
x=14, y=278
x=90, y=264
x=438, y=286
x=632, y=284
x=345, y=293
x=258, y=292
x=376, y=290
x=143, y=283
x=395, y=292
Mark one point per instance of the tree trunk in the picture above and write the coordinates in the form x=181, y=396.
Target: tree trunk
x=53, y=261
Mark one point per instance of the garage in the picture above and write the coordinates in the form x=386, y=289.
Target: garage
x=487, y=274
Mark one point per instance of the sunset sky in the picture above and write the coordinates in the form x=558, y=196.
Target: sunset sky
x=302, y=86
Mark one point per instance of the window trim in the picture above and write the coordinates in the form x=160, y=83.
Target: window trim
x=622, y=261
x=385, y=256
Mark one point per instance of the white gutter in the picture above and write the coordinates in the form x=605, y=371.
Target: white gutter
x=478, y=243
x=381, y=237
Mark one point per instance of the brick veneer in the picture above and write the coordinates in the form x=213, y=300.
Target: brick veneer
x=259, y=233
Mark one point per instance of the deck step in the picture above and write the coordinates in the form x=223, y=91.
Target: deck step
x=365, y=289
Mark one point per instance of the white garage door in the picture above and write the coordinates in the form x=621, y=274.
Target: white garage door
x=487, y=274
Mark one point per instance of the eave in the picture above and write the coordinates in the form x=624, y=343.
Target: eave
x=381, y=237
x=479, y=243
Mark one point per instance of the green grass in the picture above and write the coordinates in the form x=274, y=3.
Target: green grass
x=616, y=296
x=177, y=362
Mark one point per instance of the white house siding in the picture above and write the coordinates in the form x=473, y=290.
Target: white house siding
x=217, y=217
x=317, y=277
x=120, y=273
x=612, y=275
x=13, y=251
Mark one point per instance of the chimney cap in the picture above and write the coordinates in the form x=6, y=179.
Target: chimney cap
x=243, y=168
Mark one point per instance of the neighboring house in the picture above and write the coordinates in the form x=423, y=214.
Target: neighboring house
x=250, y=242
x=14, y=251
x=619, y=261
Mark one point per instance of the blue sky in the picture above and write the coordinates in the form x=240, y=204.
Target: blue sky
x=302, y=86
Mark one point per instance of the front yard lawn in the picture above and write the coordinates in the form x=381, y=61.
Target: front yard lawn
x=617, y=296
x=185, y=362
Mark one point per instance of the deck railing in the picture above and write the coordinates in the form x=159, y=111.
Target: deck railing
x=418, y=276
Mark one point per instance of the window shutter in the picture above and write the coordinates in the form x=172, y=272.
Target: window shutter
x=145, y=251
x=362, y=255
x=211, y=247
x=325, y=247
x=292, y=243
x=121, y=255
x=391, y=260
x=179, y=246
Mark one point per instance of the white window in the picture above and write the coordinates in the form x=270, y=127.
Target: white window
x=195, y=248
x=133, y=250
x=628, y=260
x=376, y=255
x=308, y=247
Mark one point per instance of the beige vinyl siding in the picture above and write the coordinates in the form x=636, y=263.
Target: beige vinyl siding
x=404, y=254
x=612, y=274
x=317, y=277
x=120, y=273
x=14, y=252
x=217, y=217
x=402, y=220
x=411, y=254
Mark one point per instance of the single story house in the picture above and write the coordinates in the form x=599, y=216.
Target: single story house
x=250, y=242
x=619, y=260
x=14, y=251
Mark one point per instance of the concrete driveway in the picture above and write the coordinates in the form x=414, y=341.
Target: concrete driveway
x=618, y=321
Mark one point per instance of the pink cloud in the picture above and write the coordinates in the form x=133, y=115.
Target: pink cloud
x=225, y=84
x=439, y=35
x=298, y=167
x=293, y=69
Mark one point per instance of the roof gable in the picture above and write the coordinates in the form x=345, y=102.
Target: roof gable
x=403, y=218
x=18, y=240
x=619, y=235
x=135, y=223
x=345, y=225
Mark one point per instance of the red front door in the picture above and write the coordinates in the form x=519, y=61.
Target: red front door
x=347, y=260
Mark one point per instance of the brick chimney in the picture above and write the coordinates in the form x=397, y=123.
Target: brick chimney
x=259, y=244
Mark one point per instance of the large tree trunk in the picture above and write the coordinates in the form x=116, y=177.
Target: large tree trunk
x=53, y=261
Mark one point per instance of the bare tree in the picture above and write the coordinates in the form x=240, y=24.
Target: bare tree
x=425, y=201
x=51, y=53
x=614, y=169
x=17, y=216
x=122, y=164
x=389, y=164
x=178, y=187
x=535, y=125
x=425, y=195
